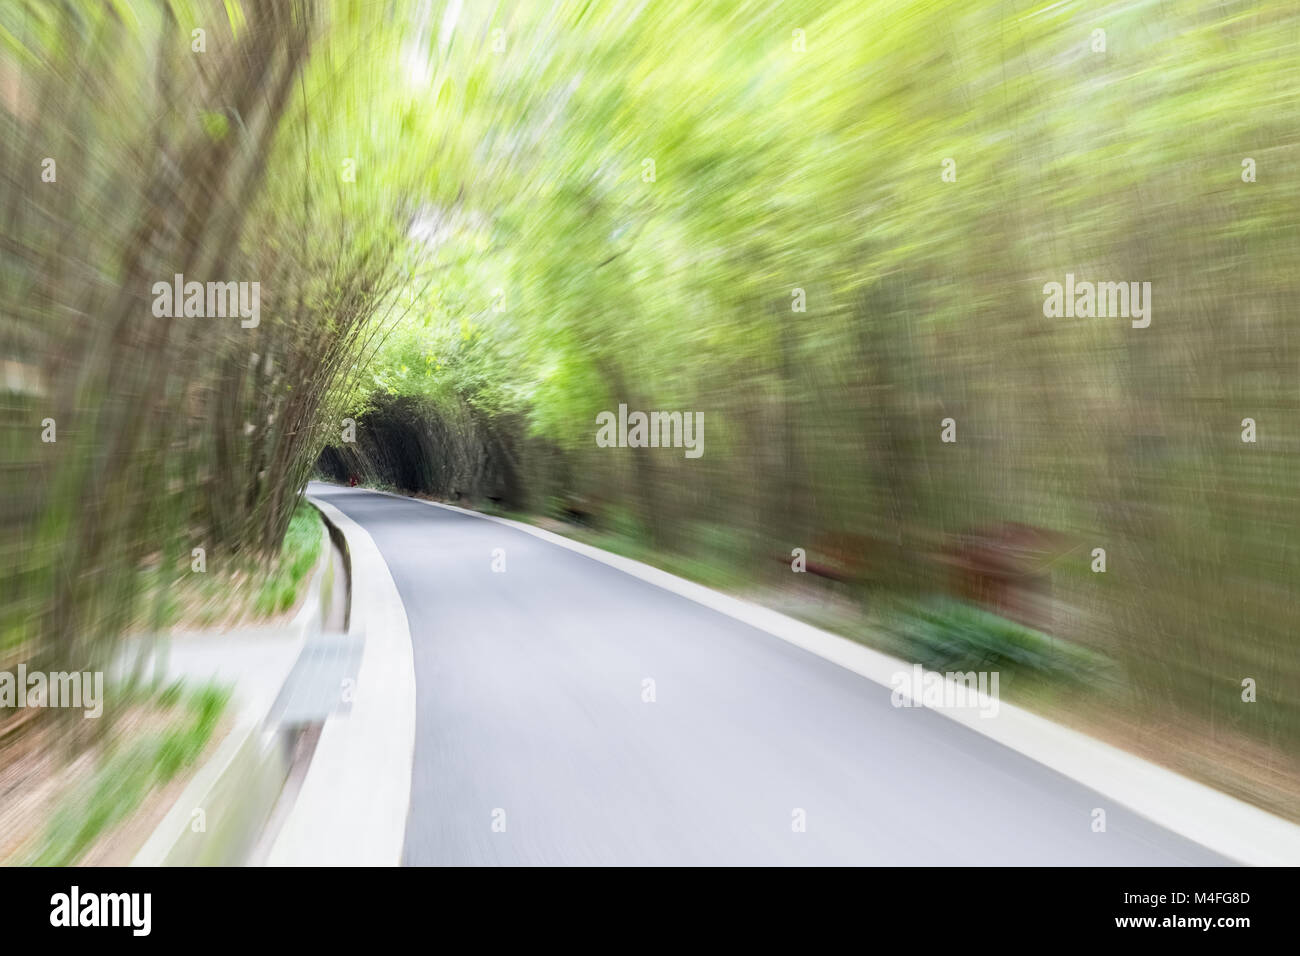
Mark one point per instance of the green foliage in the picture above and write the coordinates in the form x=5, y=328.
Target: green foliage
x=215, y=125
x=821, y=170
x=948, y=635
x=284, y=578
x=128, y=772
x=177, y=431
x=498, y=271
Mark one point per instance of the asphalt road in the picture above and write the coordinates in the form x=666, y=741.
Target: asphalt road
x=530, y=701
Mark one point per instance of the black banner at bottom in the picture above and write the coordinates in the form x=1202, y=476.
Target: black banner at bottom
x=884, y=905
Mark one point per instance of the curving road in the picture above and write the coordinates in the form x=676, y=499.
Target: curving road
x=529, y=687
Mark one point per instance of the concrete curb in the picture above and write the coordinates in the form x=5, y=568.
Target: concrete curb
x=1230, y=827
x=352, y=808
x=235, y=791
x=237, y=788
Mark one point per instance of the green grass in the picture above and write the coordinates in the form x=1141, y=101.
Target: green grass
x=705, y=563
x=127, y=772
x=944, y=634
x=302, y=544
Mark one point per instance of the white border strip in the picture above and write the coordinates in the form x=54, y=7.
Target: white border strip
x=1222, y=823
x=352, y=808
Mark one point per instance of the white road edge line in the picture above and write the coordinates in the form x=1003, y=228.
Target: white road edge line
x=352, y=808
x=1224, y=824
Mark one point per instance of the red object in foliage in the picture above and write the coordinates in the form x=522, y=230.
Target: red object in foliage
x=352, y=482
x=1006, y=568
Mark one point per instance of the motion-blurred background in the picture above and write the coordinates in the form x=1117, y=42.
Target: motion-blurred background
x=478, y=225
